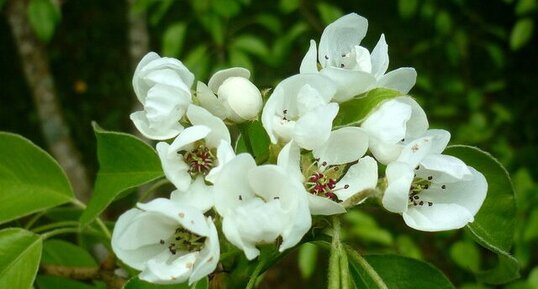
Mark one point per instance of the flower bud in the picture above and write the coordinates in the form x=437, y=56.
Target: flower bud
x=242, y=99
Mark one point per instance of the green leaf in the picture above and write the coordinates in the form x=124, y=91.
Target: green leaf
x=259, y=140
x=525, y=6
x=494, y=224
x=240, y=59
x=55, y=282
x=30, y=179
x=198, y=61
x=125, y=162
x=43, y=17
x=136, y=283
x=215, y=26
x=356, y=109
x=521, y=33
x=365, y=228
x=466, y=255
x=329, y=13
x=58, y=252
x=2, y=2
x=287, y=6
x=407, y=8
x=226, y=8
x=20, y=251
x=251, y=44
x=173, y=39
x=397, y=272
x=307, y=259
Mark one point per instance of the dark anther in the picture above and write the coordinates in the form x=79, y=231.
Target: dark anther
x=276, y=198
x=403, y=139
x=430, y=178
x=415, y=197
x=240, y=198
x=162, y=242
x=418, y=167
x=342, y=65
x=426, y=187
x=421, y=203
x=443, y=187
x=430, y=204
x=346, y=186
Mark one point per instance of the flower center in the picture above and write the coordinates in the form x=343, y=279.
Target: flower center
x=184, y=240
x=200, y=160
x=321, y=185
x=418, y=186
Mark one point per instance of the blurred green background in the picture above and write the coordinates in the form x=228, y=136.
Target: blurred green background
x=477, y=64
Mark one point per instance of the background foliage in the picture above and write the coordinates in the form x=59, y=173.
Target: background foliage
x=477, y=67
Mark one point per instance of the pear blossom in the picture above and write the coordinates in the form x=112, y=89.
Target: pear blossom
x=162, y=85
x=170, y=243
x=230, y=95
x=325, y=180
x=352, y=66
x=396, y=123
x=195, y=154
x=300, y=109
x=256, y=211
x=433, y=192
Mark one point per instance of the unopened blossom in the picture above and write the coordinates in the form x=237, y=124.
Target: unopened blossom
x=259, y=204
x=396, y=123
x=196, y=153
x=170, y=243
x=433, y=192
x=231, y=95
x=300, y=109
x=325, y=180
x=162, y=85
x=351, y=66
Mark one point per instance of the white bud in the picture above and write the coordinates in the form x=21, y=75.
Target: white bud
x=242, y=99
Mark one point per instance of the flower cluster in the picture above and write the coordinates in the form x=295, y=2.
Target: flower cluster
x=317, y=168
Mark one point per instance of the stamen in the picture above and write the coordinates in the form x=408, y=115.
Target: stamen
x=200, y=160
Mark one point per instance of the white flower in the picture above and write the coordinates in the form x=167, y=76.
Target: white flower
x=324, y=179
x=394, y=124
x=168, y=242
x=236, y=99
x=197, y=152
x=162, y=85
x=432, y=191
x=300, y=109
x=259, y=204
x=352, y=66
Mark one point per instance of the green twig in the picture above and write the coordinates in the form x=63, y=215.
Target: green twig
x=59, y=231
x=256, y=273
x=334, y=258
x=100, y=222
x=378, y=281
x=359, y=197
x=50, y=226
x=34, y=219
x=344, y=269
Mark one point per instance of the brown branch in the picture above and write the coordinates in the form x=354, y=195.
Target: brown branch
x=35, y=62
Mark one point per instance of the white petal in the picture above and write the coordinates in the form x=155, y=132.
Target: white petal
x=190, y=218
x=360, y=176
x=309, y=99
x=198, y=195
x=165, y=105
x=452, y=166
x=168, y=64
x=302, y=221
x=340, y=37
x=199, y=116
x=384, y=152
x=309, y=64
x=161, y=133
x=440, y=139
x=209, y=256
x=324, y=206
x=289, y=158
x=139, y=86
x=417, y=124
x=225, y=153
x=174, y=167
x=399, y=177
x=380, y=57
x=125, y=242
x=242, y=99
x=273, y=105
x=314, y=128
x=232, y=187
x=415, y=152
x=401, y=79
x=232, y=234
x=349, y=83
x=363, y=59
x=209, y=100
x=188, y=137
x=161, y=271
x=344, y=145
x=388, y=122
x=438, y=217
x=220, y=76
